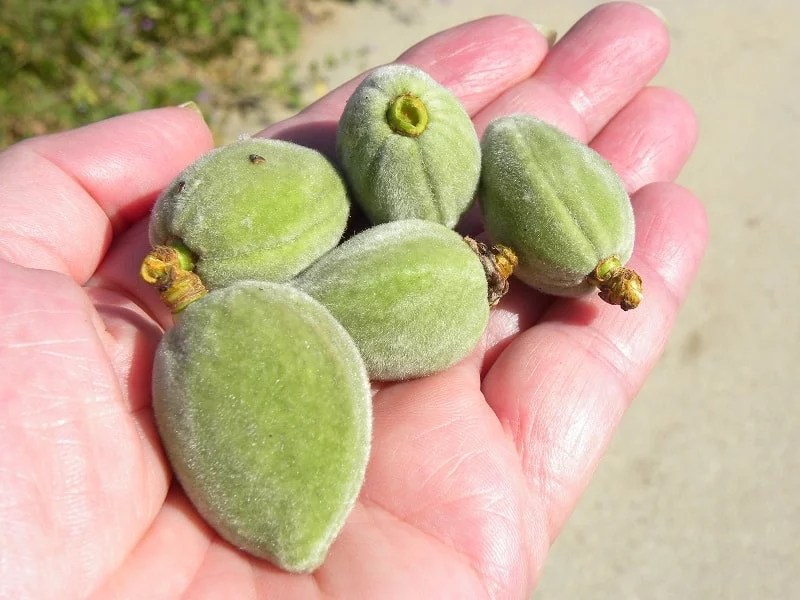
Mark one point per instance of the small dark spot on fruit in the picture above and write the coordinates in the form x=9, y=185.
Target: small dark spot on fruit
x=181, y=185
x=256, y=159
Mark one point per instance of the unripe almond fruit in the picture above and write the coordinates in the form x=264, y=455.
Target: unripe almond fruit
x=408, y=148
x=561, y=208
x=264, y=410
x=257, y=209
x=413, y=295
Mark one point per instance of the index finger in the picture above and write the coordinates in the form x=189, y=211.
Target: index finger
x=64, y=196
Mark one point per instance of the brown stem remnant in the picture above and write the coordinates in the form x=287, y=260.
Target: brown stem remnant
x=498, y=264
x=169, y=268
x=618, y=285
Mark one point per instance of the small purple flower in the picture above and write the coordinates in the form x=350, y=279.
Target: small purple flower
x=147, y=24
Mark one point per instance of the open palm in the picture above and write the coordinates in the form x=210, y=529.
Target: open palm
x=473, y=470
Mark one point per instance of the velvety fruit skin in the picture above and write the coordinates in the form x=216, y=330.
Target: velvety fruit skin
x=264, y=409
x=254, y=209
x=557, y=203
x=431, y=176
x=411, y=294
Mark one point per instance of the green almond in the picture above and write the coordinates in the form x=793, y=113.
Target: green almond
x=561, y=207
x=408, y=148
x=263, y=406
x=412, y=294
x=254, y=209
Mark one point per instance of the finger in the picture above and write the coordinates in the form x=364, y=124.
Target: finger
x=561, y=388
x=66, y=195
x=650, y=139
x=590, y=74
x=170, y=552
x=476, y=60
x=518, y=311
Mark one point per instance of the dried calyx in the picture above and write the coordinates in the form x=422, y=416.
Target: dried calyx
x=169, y=268
x=618, y=285
x=498, y=263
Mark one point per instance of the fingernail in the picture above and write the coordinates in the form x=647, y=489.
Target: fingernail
x=548, y=32
x=192, y=105
x=657, y=13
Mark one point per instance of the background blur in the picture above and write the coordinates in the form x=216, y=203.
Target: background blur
x=699, y=496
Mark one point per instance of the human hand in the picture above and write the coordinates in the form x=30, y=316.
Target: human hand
x=473, y=470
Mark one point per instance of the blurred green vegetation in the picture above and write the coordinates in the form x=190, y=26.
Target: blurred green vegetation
x=64, y=63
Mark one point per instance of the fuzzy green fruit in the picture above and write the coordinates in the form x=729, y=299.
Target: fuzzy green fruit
x=412, y=294
x=561, y=207
x=408, y=148
x=254, y=209
x=263, y=406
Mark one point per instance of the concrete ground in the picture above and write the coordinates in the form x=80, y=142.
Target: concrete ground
x=699, y=496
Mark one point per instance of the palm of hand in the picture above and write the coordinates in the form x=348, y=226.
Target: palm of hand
x=473, y=470
x=445, y=492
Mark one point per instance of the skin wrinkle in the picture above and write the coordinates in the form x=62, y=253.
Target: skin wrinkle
x=580, y=452
x=662, y=124
x=460, y=459
x=125, y=472
x=609, y=355
x=111, y=164
x=78, y=482
x=374, y=504
x=521, y=417
x=648, y=145
x=99, y=501
x=28, y=248
x=38, y=343
x=577, y=96
x=532, y=446
x=71, y=176
x=452, y=466
x=156, y=533
x=448, y=471
x=18, y=242
x=196, y=570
